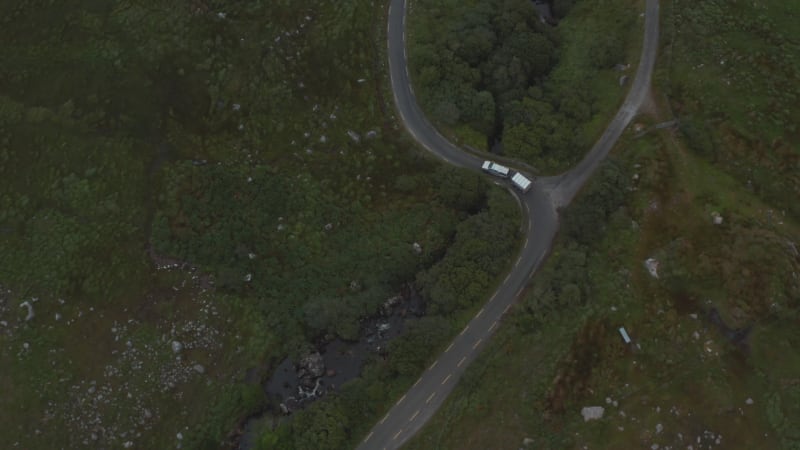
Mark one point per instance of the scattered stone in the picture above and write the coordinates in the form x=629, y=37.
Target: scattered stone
x=371, y=134
x=749, y=401
x=592, y=413
x=237, y=107
x=328, y=226
x=659, y=428
x=527, y=441
x=652, y=266
x=693, y=316
x=176, y=346
x=622, y=80
x=179, y=436
x=58, y=316
x=251, y=255
x=716, y=218
x=199, y=368
x=248, y=278
x=147, y=414
x=417, y=248
x=128, y=444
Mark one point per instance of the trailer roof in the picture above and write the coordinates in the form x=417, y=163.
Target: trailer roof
x=520, y=180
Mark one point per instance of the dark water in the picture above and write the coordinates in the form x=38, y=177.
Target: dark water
x=343, y=361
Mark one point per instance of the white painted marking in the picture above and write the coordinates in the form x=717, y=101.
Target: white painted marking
x=493, y=325
x=477, y=344
x=401, y=400
x=520, y=291
x=507, y=308
x=461, y=362
x=479, y=313
x=492, y=299
x=418, y=380
x=384, y=418
x=446, y=378
x=413, y=416
x=449, y=347
x=398, y=434
x=430, y=397
x=526, y=243
x=368, y=436
x=464, y=330
x=433, y=365
x=507, y=277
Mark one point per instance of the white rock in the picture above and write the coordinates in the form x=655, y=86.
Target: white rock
x=659, y=428
x=128, y=444
x=248, y=278
x=749, y=401
x=652, y=266
x=179, y=436
x=30, y=315
x=592, y=413
x=177, y=346
x=199, y=368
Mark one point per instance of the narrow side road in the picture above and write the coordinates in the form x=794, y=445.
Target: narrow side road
x=540, y=223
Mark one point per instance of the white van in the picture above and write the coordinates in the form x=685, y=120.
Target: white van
x=521, y=182
x=495, y=169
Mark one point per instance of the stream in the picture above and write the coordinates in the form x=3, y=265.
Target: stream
x=294, y=385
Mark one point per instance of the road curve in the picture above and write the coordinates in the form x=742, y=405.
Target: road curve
x=540, y=222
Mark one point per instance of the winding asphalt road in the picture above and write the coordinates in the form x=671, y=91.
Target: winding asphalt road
x=540, y=223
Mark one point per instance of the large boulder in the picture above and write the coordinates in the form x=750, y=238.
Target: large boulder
x=592, y=413
x=311, y=366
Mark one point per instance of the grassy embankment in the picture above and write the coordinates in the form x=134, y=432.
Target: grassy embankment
x=689, y=383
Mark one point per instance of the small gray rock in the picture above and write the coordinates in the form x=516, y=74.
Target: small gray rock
x=176, y=346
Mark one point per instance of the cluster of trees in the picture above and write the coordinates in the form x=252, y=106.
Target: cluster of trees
x=469, y=66
x=492, y=66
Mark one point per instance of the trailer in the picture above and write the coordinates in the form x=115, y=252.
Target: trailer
x=495, y=169
x=521, y=182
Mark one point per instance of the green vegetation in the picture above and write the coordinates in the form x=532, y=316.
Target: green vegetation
x=684, y=375
x=715, y=205
x=498, y=72
x=192, y=190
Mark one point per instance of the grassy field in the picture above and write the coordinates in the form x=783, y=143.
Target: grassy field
x=713, y=362
x=188, y=194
